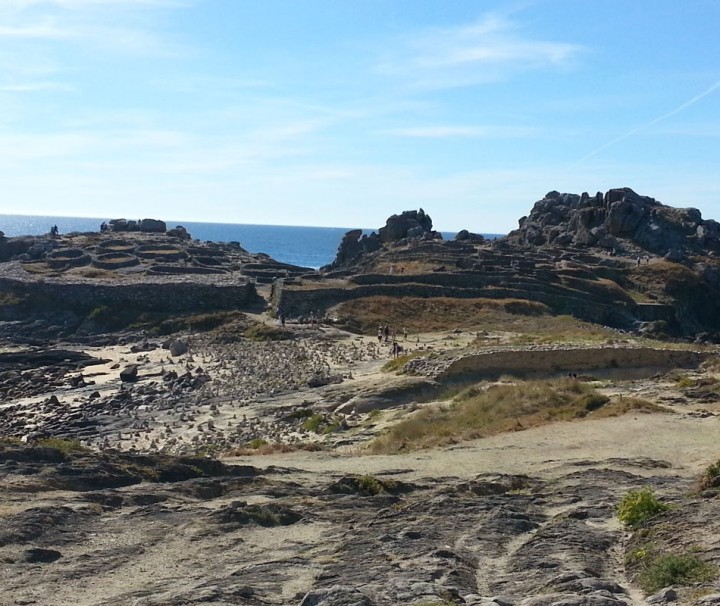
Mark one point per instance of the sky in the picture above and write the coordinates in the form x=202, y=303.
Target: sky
x=343, y=112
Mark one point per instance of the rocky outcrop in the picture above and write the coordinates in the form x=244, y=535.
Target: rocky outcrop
x=144, y=225
x=465, y=236
x=409, y=224
x=620, y=221
x=354, y=245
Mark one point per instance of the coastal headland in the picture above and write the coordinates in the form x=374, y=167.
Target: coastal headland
x=420, y=422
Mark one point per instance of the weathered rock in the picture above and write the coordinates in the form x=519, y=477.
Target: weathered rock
x=336, y=596
x=129, y=374
x=409, y=224
x=38, y=555
x=179, y=232
x=464, y=235
x=177, y=348
x=153, y=226
x=609, y=220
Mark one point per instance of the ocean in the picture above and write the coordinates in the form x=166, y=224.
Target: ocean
x=304, y=246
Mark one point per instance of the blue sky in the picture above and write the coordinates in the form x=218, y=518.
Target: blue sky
x=343, y=112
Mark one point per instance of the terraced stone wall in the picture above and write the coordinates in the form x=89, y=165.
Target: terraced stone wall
x=299, y=301
x=168, y=296
x=558, y=360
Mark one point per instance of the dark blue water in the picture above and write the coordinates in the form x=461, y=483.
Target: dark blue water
x=305, y=246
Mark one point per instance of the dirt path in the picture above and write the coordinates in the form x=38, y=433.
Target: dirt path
x=687, y=443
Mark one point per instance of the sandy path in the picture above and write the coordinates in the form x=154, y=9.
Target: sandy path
x=688, y=443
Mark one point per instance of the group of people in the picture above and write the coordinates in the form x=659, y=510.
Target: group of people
x=54, y=231
x=387, y=334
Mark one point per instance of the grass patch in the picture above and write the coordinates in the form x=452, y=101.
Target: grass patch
x=674, y=569
x=476, y=413
x=399, y=362
x=625, y=405
x=639, y=506
x=432, y=314
x=365, y=485
x=553, y=330
x=711, y=477
x=64, y=446
x=320, y=423
x=264, y=332
x=255, y=448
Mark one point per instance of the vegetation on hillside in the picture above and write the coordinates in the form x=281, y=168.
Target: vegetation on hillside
x=432, y=314
x=477, y=412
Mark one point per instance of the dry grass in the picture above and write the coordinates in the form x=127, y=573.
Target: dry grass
x=665, y=277
x=259, y=448
x=477, y=413
x=434, y=314
x=529, y=330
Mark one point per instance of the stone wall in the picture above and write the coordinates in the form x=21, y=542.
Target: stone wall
x=299, y=301
x=555, y=360
x=168, y=295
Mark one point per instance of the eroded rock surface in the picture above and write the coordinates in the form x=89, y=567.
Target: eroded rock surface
x=244, y=535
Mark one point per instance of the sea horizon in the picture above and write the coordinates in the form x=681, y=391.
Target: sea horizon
x=305, y=246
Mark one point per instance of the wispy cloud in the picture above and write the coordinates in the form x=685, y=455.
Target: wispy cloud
x=101, y=25
x=455, y=132
x=42, y=31
x=19, y=5
x=490, y=49
x=652, y=122
x=34, y=87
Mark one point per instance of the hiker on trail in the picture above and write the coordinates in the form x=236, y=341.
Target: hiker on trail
x=386, y=332
x=380, y=333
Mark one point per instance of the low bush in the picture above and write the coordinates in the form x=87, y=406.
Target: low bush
x=64, y=446
x=263, y=332
x=711, y=477
x=674, y=569
x=638, y=506
x=320, y=423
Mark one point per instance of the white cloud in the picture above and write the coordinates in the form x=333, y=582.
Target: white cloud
x=101, y=25
x=33, y=87
x=455, y=132
x=43, y=31
x=491, y=49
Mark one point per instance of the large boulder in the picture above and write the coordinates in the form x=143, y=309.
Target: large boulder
x=409, y=224
x=180, y=232
x=153, y=226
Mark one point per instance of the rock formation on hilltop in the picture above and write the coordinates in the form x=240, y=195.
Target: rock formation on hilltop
x=618, y=259
x=619, y=220
x=411, y=225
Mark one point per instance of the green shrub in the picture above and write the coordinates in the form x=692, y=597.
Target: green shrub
x=638, y=506
x=263, y=332
x=674, y=569
x=320, y=423
x=711, y=477
x=257, y=443
x=64, y=446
